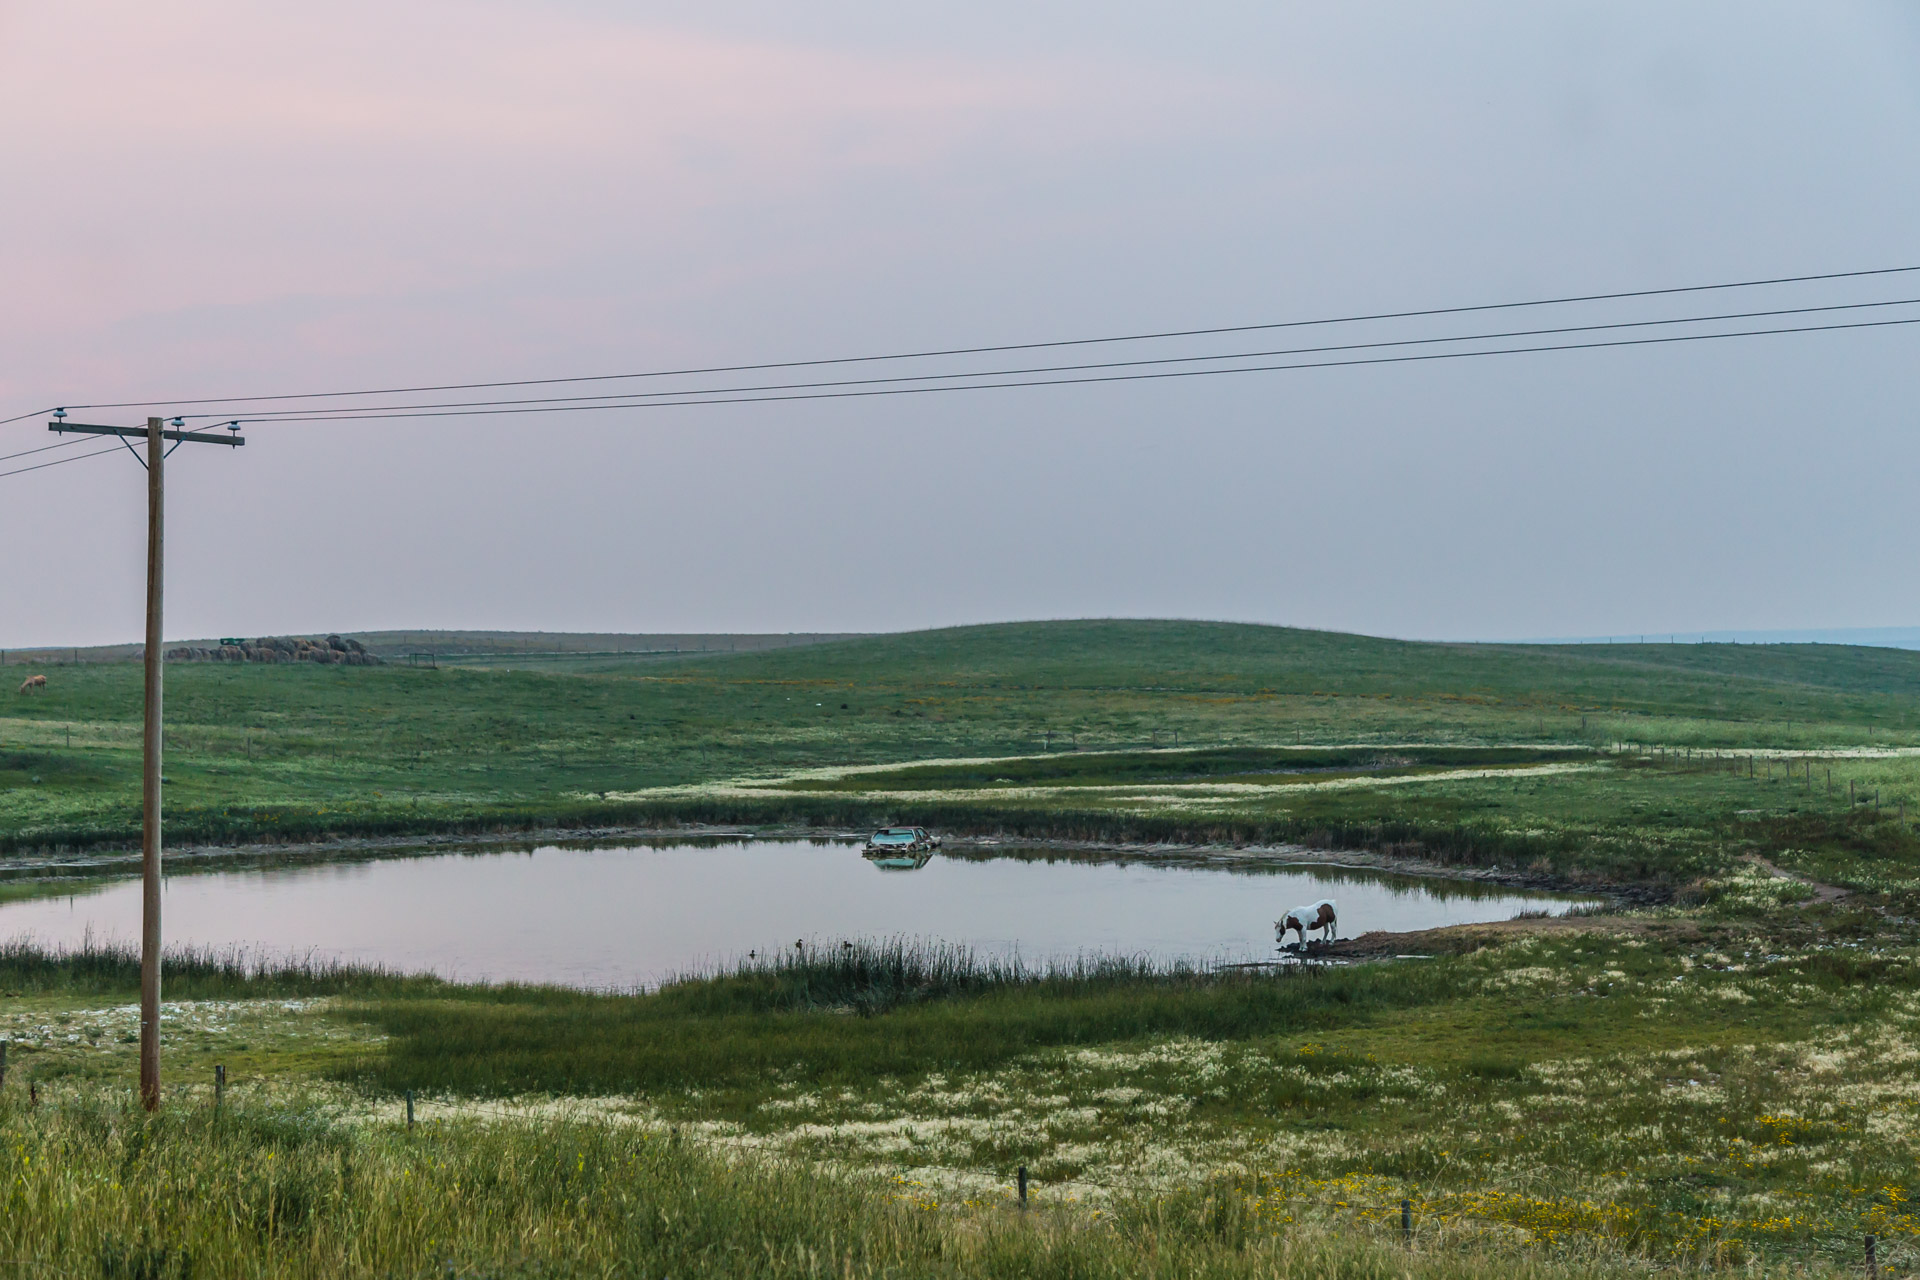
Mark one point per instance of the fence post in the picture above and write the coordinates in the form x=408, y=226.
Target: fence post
x=1023, y=1186
x=409, y=1108
x=1873, y=1262
x=1406, y=1222
x=219, y=1084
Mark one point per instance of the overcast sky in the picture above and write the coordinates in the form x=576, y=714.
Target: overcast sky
x=212, y=197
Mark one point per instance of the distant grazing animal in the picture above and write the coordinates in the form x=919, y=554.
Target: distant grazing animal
x=33, y=682
x=1322, y=915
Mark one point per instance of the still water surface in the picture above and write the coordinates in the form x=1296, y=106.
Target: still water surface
x=627, y=917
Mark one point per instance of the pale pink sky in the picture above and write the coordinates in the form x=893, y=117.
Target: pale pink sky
x=216, y=197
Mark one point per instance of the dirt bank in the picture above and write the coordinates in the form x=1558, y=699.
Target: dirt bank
x=107, y=862
x=1457, y=938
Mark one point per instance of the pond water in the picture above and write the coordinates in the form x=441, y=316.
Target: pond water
x=630, y=916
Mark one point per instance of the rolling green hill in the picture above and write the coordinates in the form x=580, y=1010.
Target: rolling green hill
x=1727, y=682
x=298, y=751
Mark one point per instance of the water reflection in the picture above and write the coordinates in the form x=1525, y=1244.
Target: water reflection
x=887, y=860
x=630, y=916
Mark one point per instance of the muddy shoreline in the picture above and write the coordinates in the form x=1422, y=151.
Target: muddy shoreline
x=103, y=862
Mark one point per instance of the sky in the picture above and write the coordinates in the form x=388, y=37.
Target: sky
x=216, y=198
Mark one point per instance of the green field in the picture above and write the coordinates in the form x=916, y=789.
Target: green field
x=268, y=753
x=260, y=1189
x=1718, y=1076
x=1724, y=1087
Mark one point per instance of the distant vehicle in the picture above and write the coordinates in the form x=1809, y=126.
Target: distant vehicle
x=900, y=848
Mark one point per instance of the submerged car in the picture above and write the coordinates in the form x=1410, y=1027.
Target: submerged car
x=900, y=848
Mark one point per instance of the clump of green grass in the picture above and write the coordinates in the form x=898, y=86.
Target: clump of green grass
x=1223, y=764
x=930, y=1008
x=105, y=967
x=870, y=977
x=291, y=1188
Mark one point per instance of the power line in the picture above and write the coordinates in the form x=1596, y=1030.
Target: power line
x=313, y=413
x=22, y=417
x=60, y=462
x=64, y=444
x=1019, y=346
x=349, y=416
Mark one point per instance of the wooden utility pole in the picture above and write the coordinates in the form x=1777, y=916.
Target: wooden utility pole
x=156, y=436
x=150, y=777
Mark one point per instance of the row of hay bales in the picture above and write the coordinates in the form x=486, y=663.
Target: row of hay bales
x=280, y=649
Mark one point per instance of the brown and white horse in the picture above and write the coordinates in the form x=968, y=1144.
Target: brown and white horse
x=1322, y=915
x=33, y=682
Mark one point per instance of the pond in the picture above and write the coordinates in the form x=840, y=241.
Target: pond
x=631, y=916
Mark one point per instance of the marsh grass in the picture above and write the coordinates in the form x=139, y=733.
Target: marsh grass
x=290, y=1188
x=841, y=1014
x=1744, y=1079
x=1509, y=1092
x=1220, y=764
x=102, y=967
x=871, y=976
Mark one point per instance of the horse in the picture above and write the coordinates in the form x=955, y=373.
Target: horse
x=33, y=682
x=1322, y=915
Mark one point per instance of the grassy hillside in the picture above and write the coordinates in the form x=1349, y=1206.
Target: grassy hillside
x=1727, y=1092
x=864, y=1109
x=1727, y=683
x=299, y=750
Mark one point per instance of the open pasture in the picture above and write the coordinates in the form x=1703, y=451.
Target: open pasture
x=1699, y=1088
x=1718, y=1076
x=1520, y=756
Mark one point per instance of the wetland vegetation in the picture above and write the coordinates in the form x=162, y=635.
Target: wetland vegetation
x=1721, y=1076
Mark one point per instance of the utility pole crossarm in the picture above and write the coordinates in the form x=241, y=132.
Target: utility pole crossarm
x=142, y=433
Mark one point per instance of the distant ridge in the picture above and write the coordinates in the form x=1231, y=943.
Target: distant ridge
x=456, y=644
x=481, y=645
x=1869, y=637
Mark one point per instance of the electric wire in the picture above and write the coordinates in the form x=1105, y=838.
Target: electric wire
x=61, y=462
x=64, y=444
x=1422, y=357
x=1021, y=346
x=306, y=414
x=22, y=417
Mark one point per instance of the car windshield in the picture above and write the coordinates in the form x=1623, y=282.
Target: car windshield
x=893, y=837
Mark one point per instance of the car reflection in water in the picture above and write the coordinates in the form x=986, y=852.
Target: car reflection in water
x=900, y=848
x=900, y=861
